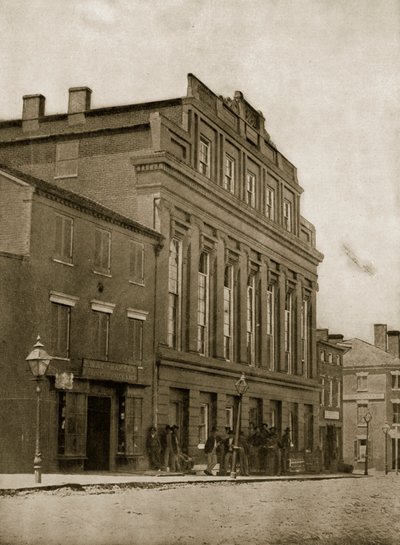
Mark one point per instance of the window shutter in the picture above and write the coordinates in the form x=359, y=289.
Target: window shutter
x=58, y=236
x=67, y=246
x=97, y=248
x=75, y=432
x=355, y=449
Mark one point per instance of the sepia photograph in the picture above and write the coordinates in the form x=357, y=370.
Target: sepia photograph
x=200, y=272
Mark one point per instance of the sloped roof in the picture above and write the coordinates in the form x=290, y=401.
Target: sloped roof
x=88, y=204
x=363, y=354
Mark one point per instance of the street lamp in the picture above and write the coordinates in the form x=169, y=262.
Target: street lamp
x=241, y=388
x=38, y=361
x=385, y=430
x=367, y=419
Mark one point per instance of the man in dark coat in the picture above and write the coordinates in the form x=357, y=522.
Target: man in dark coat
x=210, y=449
x=154, y=449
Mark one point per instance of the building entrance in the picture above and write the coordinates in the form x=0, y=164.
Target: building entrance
x=98, y=433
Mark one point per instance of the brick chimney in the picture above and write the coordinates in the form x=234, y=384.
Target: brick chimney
x=393, y=338
x=380, y=336
x=78, y=104
x=32, y=109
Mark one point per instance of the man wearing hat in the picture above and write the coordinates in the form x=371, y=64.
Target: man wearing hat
x=154, y=449
x=210, y=448
x=285, y=447
x=229, y=445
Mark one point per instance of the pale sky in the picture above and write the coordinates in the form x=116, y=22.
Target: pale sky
x=325, y=73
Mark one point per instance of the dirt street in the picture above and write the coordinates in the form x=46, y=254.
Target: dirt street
x=362, y=511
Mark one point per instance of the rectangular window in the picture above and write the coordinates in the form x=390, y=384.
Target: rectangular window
x=396, y=413
x=229, y=179
x=322, y=356
x=205, y=156
x=288, y=331
x=305, y=337
x=270, y=203
x=130, y=426
x=360, y=450
x=63, y=238
x=229, y=417
x=395, y=381
x=251, y=189
x=287, y=216
x=101, y=334
x=322, y=392
x=251, y=318
x=362, y=383
x=203, y=303
x=136, y=262
x=362, y=409
x=67, y=154
x=203, y=423
x=271, y=325
x=228, y=313
x=136, y=340
x=60, y=330
x=330, y=392
x=339, y=394
x=174, y=289
x=72, y=424
x=330, y=357
x=102, y=251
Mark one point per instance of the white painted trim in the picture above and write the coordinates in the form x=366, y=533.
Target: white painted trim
x=395, y=401
x=137, y=314
x=102, y=306
x=63, y=299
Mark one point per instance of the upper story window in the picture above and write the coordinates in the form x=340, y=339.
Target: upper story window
x=203, y=308
x=205, y=156
x=271, y=321
x=136, y=340
x=102, y=251
x=101, y=317
x=251, y=189
x=395, y=380
x=287, y=216
x=338, y=394
x=136, y=262
x=61, y=306
x=270, y=203
x=174, y=292
x=63, y=238
x=337, y=359
x=288, y=330
x=305, y=336
x=251, y=319
x=330, y=392
x=229, y=178
x=228, y=312
x=362, y=409
x=362, y=383
x=396, y=413
x=322, y=392
x=322, y=356
x=67, y=159
x=330, y=357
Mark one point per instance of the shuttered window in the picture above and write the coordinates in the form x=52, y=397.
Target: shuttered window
x=136, y=264
x=60, y=330
x=63, y=238
x=67, y=159
x=102, y=251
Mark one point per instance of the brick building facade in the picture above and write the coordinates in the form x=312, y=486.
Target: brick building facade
x=237, y=274
x=371, y=384
x=84, y=278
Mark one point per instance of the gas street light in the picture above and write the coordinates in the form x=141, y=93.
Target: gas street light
x=38, y=361
x=367, y=419
x=385, y=430
x=241, y=388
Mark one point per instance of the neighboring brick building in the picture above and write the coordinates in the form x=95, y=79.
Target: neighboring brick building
x=330, y=350
x=83, y=277
x=371, y=383
x=237, y=275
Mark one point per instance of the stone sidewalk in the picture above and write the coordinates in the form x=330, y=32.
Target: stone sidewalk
x=13, y=483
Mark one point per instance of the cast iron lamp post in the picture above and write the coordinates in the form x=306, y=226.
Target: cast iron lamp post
x=385, y=430
x=241, y=388
x=38, y=361
x=367, y=419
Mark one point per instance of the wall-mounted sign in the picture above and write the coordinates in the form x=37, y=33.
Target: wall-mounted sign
x=331, y=415
x=362, y=395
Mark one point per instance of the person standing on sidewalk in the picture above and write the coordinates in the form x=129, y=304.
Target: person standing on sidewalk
x=210, y=449
x=169, y=462
x=176, y=448
x=154, y=449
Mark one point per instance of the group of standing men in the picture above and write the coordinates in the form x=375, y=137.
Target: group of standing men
x=262, y=452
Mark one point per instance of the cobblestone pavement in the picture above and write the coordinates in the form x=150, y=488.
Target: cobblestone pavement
x=362, y=511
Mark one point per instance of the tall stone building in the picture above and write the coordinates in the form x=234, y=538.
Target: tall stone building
x=236, y=273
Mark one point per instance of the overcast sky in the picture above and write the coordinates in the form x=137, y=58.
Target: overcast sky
x=325, y=73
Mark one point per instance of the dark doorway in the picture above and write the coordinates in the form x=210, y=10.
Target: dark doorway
x=98, y=433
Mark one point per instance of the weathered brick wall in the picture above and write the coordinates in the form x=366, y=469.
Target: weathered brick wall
x=15, y=213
